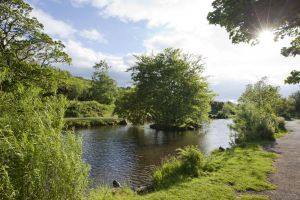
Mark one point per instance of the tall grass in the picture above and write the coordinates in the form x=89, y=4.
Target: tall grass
x=188, y=163
x=36, y=161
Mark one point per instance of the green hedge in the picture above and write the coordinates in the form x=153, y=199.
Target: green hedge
x=85, y=109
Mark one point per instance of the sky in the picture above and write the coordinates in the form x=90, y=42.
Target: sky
x=116, y=30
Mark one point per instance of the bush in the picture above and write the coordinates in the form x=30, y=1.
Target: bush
x=85, y=109
x=280, y=124
x=36, y=160
x=253, y=124
x=256, y=115
x=190, y=162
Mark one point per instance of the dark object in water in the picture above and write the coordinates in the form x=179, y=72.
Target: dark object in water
x=221, y=149
x=116, y=184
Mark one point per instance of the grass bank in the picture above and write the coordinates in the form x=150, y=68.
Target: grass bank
x=221, y=175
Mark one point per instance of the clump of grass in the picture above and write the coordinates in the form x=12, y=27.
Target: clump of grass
x=188, y=163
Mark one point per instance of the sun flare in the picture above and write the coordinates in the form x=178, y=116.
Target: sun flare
x=266, y=36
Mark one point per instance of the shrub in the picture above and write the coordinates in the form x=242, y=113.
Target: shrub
x=36, y=160
x=253, y=124
x=256, y=114
x=281, y=124
x=189, y=162
x=192, y=160
x=85, y=109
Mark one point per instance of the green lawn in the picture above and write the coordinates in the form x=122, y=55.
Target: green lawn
x=238, y=170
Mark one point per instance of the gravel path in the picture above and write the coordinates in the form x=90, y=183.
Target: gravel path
x=287, y=174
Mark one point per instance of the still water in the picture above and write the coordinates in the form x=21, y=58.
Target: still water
x=129, y=154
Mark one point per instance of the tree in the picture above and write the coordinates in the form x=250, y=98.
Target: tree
x=29, y=75
x=256, y=114
x=22, y=37
x=245, y=19
x=293, y=78
x=168, y=91
x=295, y=99
x=104, y=88
x=262, y=95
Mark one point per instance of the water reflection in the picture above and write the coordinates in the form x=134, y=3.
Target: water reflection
x=129, y=154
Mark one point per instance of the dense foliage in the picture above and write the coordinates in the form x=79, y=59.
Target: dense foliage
x=256, y=115
x=291, y=106
x=85, y=109
x=50, y=80
x=244, y=20
x=104, y=89
x=74, y=88
x=169, y=91
x=222, y=110
x=36, y=161
x=129, y=106
x=293, y=78
x=22, y=37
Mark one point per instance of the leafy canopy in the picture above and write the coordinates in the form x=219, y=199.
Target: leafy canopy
x=293, y=78
x=245, y=19
x=169, y=90
x=256, y=114
x=22, y=37
x=262, y=95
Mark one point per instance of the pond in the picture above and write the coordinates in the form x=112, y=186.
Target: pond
x=129, y=154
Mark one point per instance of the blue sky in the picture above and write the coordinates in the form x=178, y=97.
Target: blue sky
x=116, y=30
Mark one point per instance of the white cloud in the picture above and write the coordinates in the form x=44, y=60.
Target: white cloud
x=185, y=26
x=53, y=26
x=84, y=57
x=93, y=35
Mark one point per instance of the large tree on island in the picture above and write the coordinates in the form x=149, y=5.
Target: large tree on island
x=169, y=91
x=245, y=19
x=22, y=37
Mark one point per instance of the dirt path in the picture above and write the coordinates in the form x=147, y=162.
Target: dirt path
x=287, y=174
